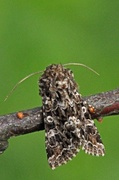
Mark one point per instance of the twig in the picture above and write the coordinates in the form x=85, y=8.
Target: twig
x=105, y=104
x=28, y=121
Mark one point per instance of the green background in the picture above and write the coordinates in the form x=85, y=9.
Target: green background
x=34, y=34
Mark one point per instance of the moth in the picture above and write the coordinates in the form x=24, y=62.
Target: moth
x=67, y=119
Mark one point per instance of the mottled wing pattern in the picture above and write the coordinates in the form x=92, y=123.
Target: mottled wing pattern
x=61, y=144
x=91, y=140
x=68, y=124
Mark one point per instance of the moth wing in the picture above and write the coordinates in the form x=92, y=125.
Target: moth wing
x=91, y=140
x=62, y=141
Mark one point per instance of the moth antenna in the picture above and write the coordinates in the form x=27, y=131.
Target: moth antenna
x=22, y=80
x=79, y=64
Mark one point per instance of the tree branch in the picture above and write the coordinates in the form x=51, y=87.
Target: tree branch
x=27, y=121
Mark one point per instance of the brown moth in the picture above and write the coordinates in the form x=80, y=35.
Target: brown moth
x=67, y=119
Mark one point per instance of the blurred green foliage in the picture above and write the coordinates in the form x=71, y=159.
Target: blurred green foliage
x=34, y=34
